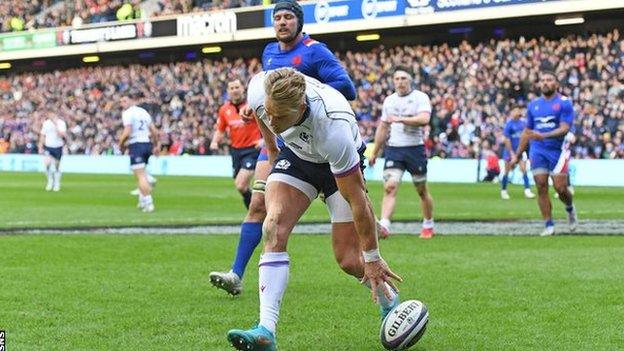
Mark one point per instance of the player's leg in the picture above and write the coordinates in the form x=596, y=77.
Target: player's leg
x=241, y=182
x=560, y=183
x=525, y=179
x=426, y=202
x=543, y=201
x=49, y=167
x=287, y=198
x=250, y=233
x=392, y=180
x=505, y=181
x=416, y=165
x=56, y=160
x=139, y=157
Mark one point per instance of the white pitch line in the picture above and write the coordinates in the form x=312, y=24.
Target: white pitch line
x=610, y=227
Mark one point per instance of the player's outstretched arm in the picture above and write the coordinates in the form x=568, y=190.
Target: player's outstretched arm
x=376, y=270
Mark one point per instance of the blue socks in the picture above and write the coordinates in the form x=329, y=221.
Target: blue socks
x=504, y=182
x=549, y=223
x=525, y=178
x=251, y=234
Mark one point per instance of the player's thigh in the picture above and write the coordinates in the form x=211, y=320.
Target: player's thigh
x=416, y=163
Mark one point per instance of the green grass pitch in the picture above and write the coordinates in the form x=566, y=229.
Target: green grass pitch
x=150, y=292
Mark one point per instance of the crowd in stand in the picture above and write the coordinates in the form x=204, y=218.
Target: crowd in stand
x=471, y=86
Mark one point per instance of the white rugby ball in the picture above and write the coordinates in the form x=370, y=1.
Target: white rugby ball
x=404, y=325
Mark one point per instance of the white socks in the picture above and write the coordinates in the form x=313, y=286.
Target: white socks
x=273, y=278
x=385, y=222
x=427, y=223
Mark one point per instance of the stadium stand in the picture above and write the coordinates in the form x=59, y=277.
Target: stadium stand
x=471, y=87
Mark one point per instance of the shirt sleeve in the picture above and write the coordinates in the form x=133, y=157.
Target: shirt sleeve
x=423, y=104
x=331, y=72
x=337, y=147
x=567, y=112
x=62, y=127
x=126, y=118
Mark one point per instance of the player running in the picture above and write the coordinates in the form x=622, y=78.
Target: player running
x=294, y=49
x=549, y=118
x=512, y=132
x=324, y=153
x=138, y=130
x=51, y=142
x=403, y=115
x=245, y=138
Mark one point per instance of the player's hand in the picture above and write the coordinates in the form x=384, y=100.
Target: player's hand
x=214, y=146
x=246, y=114
x=156, y=151
x=393, y=119
x=378, y=273
x=372, y=160
x=40, y=149
x=122, y=148
x=259, y=144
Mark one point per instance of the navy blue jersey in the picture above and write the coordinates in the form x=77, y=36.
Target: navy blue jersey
x=513, y=132
x=313, y=59
x=546, y=115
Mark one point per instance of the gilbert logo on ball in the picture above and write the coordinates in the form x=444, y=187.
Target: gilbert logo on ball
x=404, y=325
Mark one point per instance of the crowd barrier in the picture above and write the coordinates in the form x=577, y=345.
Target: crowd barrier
x=583, y=172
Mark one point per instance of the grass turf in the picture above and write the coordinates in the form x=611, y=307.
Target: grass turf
x=90, y=292
x=103, y=200
x=150, y=292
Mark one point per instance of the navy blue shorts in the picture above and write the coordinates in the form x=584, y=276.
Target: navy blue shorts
x=56, y=152
x=319, y=175
x=407, y=158
x=244, y=158
x=139, y=154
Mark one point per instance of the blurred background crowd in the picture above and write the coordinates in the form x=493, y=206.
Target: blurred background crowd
x=471, y=86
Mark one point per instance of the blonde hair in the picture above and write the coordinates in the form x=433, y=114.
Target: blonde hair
x=285, y=89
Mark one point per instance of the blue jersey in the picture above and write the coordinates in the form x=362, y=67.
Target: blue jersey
x=513, y=131
x=313, y=59
x=547, y=115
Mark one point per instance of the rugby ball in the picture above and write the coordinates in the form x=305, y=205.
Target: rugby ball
x=404, y=325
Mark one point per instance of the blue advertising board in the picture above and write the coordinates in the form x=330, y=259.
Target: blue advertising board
x=344, y=10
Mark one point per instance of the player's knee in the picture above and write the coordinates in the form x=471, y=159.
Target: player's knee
x=351, y=264
x=242, y=187
x=390, y=187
